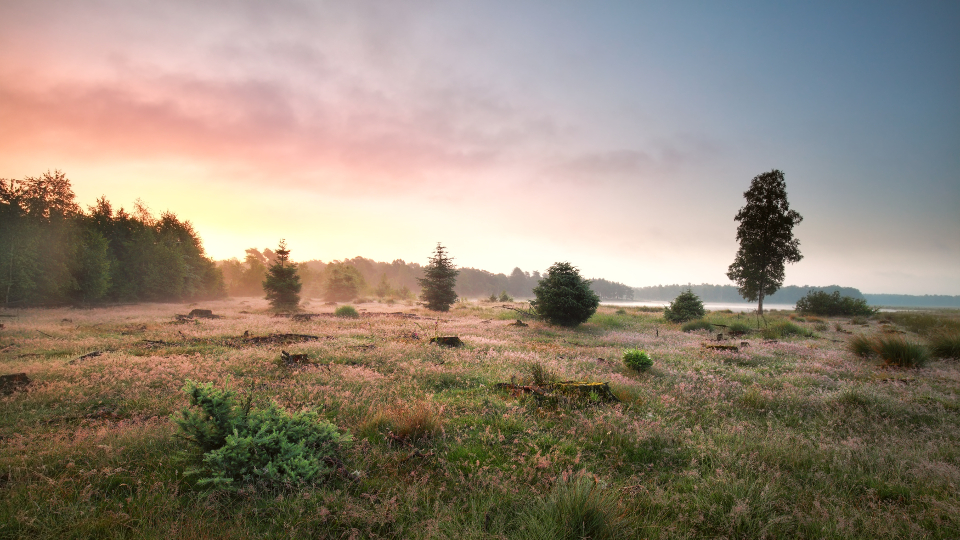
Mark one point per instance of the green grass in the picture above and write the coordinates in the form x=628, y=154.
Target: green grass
x=699, y=324
x=784, y=329
x=945, y=345
x=798, y=438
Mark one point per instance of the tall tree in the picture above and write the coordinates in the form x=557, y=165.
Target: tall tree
x=282, y=284
x=440, y=277
x=766, y=238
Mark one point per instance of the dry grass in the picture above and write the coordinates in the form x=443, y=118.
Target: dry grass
x=797, y=437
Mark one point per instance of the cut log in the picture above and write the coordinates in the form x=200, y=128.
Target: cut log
x=720, y=347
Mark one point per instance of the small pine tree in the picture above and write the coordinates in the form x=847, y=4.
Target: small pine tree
x=438, y=282
x=282, y=284
x=563, y=297
x=685, y=307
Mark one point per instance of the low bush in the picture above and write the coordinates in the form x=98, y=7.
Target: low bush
x=821, y=327
x=241, y=445
x=945, y=345
x=823, y=303
x=697, y=325
x=637, y=360
x=347, y=312
x=686, y=306
x=563, y=297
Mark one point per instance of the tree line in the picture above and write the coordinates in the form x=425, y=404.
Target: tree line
x=350, y=278
x=52, y=252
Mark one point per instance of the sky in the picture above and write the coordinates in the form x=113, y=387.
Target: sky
x=617, y=136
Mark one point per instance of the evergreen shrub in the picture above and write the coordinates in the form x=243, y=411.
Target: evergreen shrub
x=563, y=297
x=685, y=307
x=241, y=445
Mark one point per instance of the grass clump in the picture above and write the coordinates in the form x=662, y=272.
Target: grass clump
x=697, y=325
x=945, y=345
x=893, y=350
x=900, y=352
x=405, y=424
x=241, y=445
x=346, y=312
x=637, y=360
x=577, y=508
x=785, y=329
x=861, y=346
x=738, y=328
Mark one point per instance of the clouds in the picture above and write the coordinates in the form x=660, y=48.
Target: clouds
x=622, y=135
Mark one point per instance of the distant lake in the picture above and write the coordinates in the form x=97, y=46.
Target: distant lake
x=709, y=306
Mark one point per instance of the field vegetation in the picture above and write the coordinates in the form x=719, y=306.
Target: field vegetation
x=778, y=433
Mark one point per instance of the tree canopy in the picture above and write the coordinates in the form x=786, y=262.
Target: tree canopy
x=52, y=252
x=440, y=277
x=766, y=238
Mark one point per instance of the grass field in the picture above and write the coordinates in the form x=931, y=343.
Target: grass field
x=786, y=437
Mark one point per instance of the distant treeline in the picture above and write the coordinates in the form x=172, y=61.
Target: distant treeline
x=393, y=279
x=54, y=253
x=908, y=300
x=728, y=293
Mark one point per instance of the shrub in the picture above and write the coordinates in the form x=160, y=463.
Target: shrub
x=699, y=324
x=823, y=303
x=686, y=306
x=563, y=297
x=637, y=359
x=945, y=345
x=504, y=297
x=244, y=445
x=578, y=508
x=821, y=327
x=348, y=312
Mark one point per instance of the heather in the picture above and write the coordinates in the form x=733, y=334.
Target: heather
x=791, y=435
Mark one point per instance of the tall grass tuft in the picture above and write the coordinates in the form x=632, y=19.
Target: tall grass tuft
x=784, y=329
x=697, y=325
x=404, y=424
x=577, y=508
x=892, y=349
x=861, y=346
x=738, y=328
x=945, y=345
x=897, y=351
